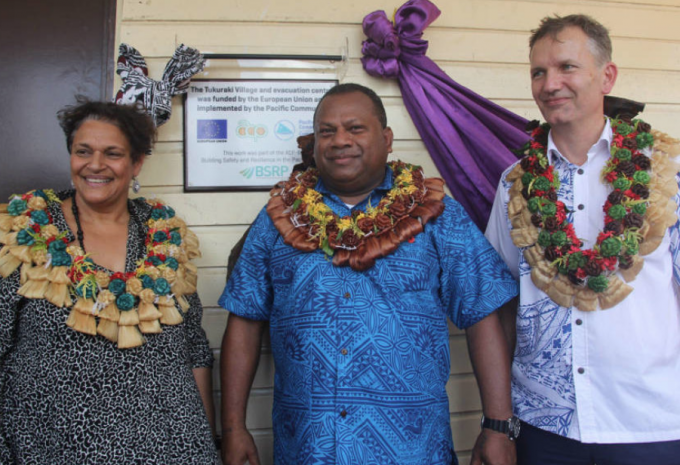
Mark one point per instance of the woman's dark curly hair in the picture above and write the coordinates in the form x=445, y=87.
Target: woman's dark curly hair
x=132, y=120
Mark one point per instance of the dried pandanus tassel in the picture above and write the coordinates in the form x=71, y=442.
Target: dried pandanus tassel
x=108, y=315
x=24, y=272
x=82, y=318
x=586, y=299
x=107, y=302
x=22, y=252
x=129, y=337
x=128, y=318
x=181, y=256
x=179, y=223
x=191, y=244
x=6, y=222
x=191, y=277
x=150, y=327
x=6, y=238
x=128, y=334
x=148, y=313
x=615, y=293
x=36, y=282
x=183, y=303
x=108, y=329
x=170, y=314
x=9, y=239
x=57, y=291
x=180, y=286
x=12, y=256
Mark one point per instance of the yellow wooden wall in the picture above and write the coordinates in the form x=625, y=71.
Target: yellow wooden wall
x=482, y=44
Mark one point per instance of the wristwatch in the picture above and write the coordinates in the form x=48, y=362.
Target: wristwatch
x=509, y=426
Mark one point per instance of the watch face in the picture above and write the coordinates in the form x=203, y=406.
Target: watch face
x=514, y=425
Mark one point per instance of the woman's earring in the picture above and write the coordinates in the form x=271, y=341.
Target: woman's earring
x=135, y=185
x=73, y=186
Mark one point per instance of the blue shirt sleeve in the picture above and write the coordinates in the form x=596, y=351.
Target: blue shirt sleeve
x=475, y=281
x=249, y=292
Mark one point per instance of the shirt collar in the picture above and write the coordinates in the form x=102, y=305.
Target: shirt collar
x=601, y=147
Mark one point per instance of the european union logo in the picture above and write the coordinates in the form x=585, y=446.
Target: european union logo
x=212, y=129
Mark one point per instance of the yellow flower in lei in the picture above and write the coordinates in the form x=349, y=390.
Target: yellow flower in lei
x=408, y=190
x=372, y=212
x=405, y=177
x=344, y=223
x=323, y=212
x=311, y=197
x=308, y=210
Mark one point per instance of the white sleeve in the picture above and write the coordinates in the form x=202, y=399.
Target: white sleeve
x=498, y=230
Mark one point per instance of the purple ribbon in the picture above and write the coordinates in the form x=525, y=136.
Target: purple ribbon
x=469, y=138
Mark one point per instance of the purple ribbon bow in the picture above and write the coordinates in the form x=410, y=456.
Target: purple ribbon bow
x=468, y=137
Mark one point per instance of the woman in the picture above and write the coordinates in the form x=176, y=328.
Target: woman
x=102, y=355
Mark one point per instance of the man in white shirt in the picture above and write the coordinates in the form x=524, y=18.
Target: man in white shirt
x=587, y=222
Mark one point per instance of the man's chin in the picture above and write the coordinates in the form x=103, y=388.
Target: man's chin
x=346, y=172
x=557, y=118
x=343, y=163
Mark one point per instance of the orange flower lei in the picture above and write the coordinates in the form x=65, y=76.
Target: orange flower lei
x=308, y=224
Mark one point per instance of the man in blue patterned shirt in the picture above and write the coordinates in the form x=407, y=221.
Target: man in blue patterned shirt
x=596, y=371
x=362, y=350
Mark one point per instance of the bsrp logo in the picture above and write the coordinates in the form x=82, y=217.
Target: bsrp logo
x=284, y=130
x=265, y=171
x=248, y=130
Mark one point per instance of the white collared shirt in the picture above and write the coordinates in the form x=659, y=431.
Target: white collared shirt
x=608, y=376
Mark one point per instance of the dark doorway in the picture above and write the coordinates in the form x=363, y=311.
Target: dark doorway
x=51, y=51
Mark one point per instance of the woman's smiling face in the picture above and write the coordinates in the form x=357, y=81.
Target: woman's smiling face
x=101, y=163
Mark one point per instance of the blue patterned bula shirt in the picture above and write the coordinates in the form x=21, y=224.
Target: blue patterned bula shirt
x=362, y=358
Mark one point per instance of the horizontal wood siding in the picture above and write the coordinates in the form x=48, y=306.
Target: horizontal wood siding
x=482, y=44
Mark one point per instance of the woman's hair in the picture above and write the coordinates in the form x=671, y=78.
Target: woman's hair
x=132, y=120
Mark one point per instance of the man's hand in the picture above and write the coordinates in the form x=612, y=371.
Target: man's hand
x=493, y=448
x=490, y=356
x=238, y=447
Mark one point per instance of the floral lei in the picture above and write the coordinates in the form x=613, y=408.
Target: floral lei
x=126, y=304
x=308, y=224
x=588, y=276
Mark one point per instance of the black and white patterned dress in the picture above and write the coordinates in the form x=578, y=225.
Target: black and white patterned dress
x=71, y=398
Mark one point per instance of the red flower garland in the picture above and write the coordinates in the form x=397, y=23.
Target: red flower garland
x=626, y=171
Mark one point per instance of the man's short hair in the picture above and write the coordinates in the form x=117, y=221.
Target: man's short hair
x=601, y=44
x=350, y=87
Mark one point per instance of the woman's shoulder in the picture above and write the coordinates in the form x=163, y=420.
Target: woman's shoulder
x=47, y=195
x=141, y=208
x=36, y=206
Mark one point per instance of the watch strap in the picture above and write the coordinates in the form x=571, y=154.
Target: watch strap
x=500, y=426
x=511, y=426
